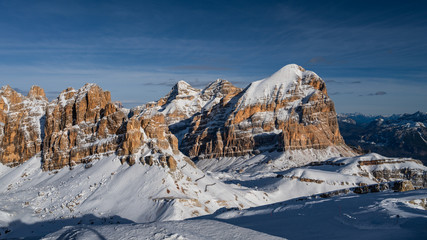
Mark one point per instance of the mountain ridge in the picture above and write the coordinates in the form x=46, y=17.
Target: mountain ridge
x=85, y=122
x=87, y=157
x=401, y=135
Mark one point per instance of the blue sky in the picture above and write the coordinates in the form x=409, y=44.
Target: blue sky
x=372, y=55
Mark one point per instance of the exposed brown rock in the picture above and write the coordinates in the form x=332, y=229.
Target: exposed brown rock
x=133, y=137
x=162, y=160
x=403, y=186
x=158, y=138
x=171, y=163
x=37, y=93
x=21, y=119
x=149, y=160
x=80, y=124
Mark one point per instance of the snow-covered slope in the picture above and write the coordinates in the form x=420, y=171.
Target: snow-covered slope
x=276, y=87
x=384, y=215
x=177, y=230
x=107, y=191
x=334, y=174
x=108, y=188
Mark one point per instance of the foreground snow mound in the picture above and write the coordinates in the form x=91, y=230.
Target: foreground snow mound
x=179, y=230
x=384, y=215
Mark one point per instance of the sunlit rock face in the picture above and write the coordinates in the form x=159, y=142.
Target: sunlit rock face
x=285, y=112
x=288, y=111
x=80, y=125
x=21, y=124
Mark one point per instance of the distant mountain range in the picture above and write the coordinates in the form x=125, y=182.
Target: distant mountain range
x=398, y=135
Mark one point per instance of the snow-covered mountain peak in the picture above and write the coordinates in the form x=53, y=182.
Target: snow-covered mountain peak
x=20, y=121
x=87, y=87
x=182, y=83
x=8, y=91
x=87, y=92
x=279, y=85
x=218, y=89
x=181, y=90
x=285, y=74
x=67, y=91
x=183, y=101
x=219, y=83
x=6, y=88
x=184, y=88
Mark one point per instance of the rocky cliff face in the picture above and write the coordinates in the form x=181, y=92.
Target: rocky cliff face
x=80, y=125
x=21, y=121
x=288, y=111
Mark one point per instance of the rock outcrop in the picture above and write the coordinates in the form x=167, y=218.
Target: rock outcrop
x=383, y=169
x=148, y=139
x=21, y=121
x=80, y=125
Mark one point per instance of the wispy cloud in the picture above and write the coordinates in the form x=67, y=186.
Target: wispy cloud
x=340, y=93
x=169, y=83
x=342, y=82
x=379, y=93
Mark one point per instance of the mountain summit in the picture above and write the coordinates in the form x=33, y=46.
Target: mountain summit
x=288, y=111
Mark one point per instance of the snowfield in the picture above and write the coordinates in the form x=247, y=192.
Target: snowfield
x=177, y=230
x=384, y=215
x=109, y=199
